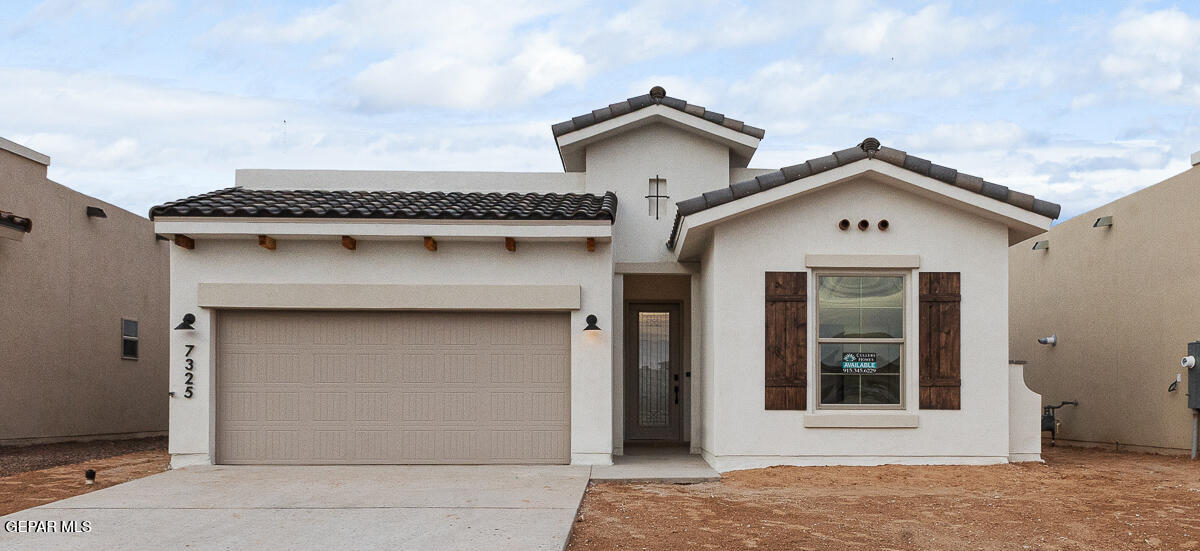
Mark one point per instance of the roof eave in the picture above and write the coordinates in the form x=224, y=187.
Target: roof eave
x=692, y=230
x=571, y=145
x=381, y=229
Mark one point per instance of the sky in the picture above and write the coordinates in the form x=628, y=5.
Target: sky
x=143, y=102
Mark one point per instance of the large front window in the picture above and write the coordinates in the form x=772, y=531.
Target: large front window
x=861, y=339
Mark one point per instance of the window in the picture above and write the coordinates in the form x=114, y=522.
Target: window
x=129, y=339
x=657, y=194
x=861, y=339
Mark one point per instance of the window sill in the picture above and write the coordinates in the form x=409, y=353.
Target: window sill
x=861, y=420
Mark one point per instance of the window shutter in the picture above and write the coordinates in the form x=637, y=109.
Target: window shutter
x=787, y=339
x=940, y=342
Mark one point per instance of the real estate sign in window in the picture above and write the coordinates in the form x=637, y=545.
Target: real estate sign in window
x=861, y=339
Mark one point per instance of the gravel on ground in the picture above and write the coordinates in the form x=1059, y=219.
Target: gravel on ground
x=19, y=459
x=31, y=488
x=1079, y=499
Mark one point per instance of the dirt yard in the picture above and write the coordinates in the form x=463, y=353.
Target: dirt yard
x=36, y=475
x=1079, y=499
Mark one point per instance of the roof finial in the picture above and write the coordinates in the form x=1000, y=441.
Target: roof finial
x=658, y=92
x=870, y=146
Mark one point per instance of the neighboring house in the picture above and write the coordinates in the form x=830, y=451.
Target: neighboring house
x=1117, y=288
x=655, y=290
x=83, y=312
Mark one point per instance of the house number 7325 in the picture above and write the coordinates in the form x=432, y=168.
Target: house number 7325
x=188, y=365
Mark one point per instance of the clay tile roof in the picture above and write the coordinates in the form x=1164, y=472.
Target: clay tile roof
x=657, y=96
x=16, y=222
x=262, y=203
x=869, y=148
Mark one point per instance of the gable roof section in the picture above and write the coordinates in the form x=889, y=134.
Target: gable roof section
x=574, y=136
x=870, y=148
x=657, y=96
x=19, y=223
x=261, y=203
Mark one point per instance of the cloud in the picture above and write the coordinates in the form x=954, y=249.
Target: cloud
x=973, y=135
x=928, y=32
x=148, y=11
x=425, y=76
x=1156, y=53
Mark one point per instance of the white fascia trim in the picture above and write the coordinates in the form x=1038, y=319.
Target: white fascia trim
x=333, y=296
x=862, y=260
x=682, y=268
x=18, y=149
x=366, y=229
x=1016, y=218
x=571, y=144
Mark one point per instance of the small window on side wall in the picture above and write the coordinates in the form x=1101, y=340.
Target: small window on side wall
x=657, y=193
x=129, y=339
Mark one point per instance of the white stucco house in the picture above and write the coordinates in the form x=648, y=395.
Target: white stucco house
x=851, y=309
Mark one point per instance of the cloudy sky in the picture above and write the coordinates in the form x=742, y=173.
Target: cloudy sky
x=143, y=102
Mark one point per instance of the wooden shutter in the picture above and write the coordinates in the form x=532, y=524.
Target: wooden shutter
x=940, y=342
x=787, y=338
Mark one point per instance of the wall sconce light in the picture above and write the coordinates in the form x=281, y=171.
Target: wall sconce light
x=591, y=323
x=1042, y=245
x=1103, y=222
x=96, y=212
x=186, y=325
x=1051, y=340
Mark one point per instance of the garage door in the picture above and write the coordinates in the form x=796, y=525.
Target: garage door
x=392, y=387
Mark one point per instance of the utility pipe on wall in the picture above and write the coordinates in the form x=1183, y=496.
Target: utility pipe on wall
x=1195, y=430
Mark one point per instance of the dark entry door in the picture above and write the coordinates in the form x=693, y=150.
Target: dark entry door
x=652, y=361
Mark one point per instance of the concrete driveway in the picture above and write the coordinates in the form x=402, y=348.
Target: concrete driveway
x=326, y=508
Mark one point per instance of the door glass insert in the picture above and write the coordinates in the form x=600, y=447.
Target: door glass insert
x=654, y=369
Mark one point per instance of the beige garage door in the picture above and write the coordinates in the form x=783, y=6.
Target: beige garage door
x=392, y=387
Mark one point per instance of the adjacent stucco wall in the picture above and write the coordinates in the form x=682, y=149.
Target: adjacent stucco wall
x=740, y=433
x=404, y=262
x=64, y=289
x=1124, y=301
x=624, y=164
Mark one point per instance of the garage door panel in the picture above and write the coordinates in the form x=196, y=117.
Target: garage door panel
x=392, y=388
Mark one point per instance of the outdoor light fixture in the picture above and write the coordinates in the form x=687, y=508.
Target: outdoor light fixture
x=1042, y=245
x=89, y=477
x=1103, y=222
x=186, y=325
x=591, y=323
x=1051, y=340
x=96, y=212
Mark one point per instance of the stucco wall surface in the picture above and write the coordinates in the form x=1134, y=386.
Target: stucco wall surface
x=64, y=289
x=1123, y=301
x=624, y=165
x=400, y=262
x=740, y=433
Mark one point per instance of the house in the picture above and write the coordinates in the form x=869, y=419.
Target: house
x=1115, y=286
x=83, y=305
x=656, y=290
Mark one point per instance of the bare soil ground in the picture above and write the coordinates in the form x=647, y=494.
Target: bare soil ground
x=1079, y=499
x=22, y=487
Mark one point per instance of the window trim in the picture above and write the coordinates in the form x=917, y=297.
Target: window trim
x=815, y=292
x=125, y=338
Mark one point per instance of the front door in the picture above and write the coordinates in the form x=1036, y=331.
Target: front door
x=652, y=361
